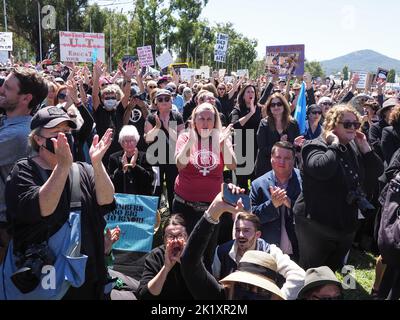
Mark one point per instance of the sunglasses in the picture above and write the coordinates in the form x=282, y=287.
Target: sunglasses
x=109, y=98
x=152, y=87
x=221, y=89
x=61, y=96
x=348, y=124
x=327, y=103
x=316, y=112
x=165, y=99
x=276, y=104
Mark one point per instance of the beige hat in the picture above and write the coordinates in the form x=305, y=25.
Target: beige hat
x=256, y=268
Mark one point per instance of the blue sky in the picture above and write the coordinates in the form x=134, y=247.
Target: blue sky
x=327, y=28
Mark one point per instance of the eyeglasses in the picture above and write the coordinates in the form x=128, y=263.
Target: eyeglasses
x=276, y=104
x=152, y=87
x=163, y=99
x=109, y=98
x=348, y=124
x=61, y=96
x=207, y=99
x=221, y=89
x=327, y=103
x=171, y=237
x=316, y=112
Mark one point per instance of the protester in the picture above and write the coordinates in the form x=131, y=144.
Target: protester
x=390, y=140
x=245, y=118
x=273, y=196
x=256, y=273
x=38, y=197
x=161, y=130
x=278, y=125
x=201, y=154
x=128, y=168
x=22, y=91
x=340, y=160
x=314, y=128
x=321, y=284
x=162, y=278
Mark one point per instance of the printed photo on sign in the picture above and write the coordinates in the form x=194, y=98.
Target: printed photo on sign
x=381, y=75
x=363, y=79
x=285, y=60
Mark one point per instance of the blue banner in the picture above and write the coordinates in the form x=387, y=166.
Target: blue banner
x=135, y=215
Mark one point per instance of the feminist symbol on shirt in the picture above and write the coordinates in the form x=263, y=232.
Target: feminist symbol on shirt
x=136, y=115
x=205, y=161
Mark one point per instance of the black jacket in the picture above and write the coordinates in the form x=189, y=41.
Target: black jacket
x=135, y=181
x=375, y=136
x=325, y=190
x=266, y=138
x=390, y=142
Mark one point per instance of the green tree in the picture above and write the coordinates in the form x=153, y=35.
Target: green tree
x=23, y=21
x=345, y=73
x=314, y=68
x=391, y=76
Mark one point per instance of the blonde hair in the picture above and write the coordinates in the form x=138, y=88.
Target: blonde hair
x=113, y=88
x=335, y=115
x=394, y=118
x=209, y=107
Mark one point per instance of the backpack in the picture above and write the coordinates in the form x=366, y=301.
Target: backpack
x=389, y=230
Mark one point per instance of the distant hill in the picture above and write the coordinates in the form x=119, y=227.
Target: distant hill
x=364, y=60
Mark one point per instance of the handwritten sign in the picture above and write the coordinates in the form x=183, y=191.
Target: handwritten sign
x=80, y=46
x=6, y=41
x=145, y=55
x=164, y=60
x=221, y=47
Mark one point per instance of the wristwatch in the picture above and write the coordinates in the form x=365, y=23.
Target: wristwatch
x=210, y=219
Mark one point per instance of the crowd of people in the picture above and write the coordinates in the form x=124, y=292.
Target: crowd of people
x=71, y=137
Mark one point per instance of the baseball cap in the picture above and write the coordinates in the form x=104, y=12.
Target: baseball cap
x=163, y=92
x=51, y=117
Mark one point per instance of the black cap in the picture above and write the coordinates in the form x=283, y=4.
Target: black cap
x=51, y=117
x=135, y=91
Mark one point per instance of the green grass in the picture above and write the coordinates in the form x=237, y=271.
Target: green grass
x=364, y=264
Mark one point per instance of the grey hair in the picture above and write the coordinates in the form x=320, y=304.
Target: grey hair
x=128, y=131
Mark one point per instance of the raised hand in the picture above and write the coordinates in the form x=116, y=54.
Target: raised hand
x=99, y=148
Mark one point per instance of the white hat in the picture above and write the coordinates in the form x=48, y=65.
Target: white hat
x=256, y=268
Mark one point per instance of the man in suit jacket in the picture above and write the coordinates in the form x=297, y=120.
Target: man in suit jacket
x=273, y=196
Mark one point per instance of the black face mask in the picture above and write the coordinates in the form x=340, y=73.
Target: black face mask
x=50, y=145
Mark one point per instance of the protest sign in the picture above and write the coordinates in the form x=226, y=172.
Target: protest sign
x=79, y=46
x=164, y=60
x=362, y=83
x=221, y=73
x=187, y=74
x=221, y=47
x=6, y=41
x=242, y=72
x=3, y=57
x=145, y=55
x=136, y=216
x=285, y=60
x=205, y=71
x=228, y=79
x=381, y=75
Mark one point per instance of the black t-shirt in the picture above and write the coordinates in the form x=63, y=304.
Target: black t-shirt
x=23, y=210
x=227, y=105
x=136, y=119
x=173, y=116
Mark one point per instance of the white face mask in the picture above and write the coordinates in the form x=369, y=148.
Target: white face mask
x=110, y=104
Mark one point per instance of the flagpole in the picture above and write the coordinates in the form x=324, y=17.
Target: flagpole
x=5, y=14
x=40, y=34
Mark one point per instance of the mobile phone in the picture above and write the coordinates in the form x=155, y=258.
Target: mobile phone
x=232, y=199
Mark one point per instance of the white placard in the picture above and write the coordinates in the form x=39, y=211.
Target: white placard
x=3, y=57
x=221, y=73
x=6, y=41
x=164, y=60
x=205, y=71
x=187, y=74
x=363, y=79
x=242, y=72
x=221, y=47
x=80, y=46
x=229, y=79
x=145, y=55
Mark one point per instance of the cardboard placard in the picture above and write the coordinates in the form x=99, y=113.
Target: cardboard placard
x=187, y=74
x=145, y=55
x=242, y=72
x=285, y=60
x=80, y=46
x=164, y=60
x=6, y=41
x=221, y=47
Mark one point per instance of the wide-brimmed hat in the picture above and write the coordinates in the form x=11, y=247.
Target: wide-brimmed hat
x=316, y=277
x=51, y=117
x=389, y=103
x=256, y=268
